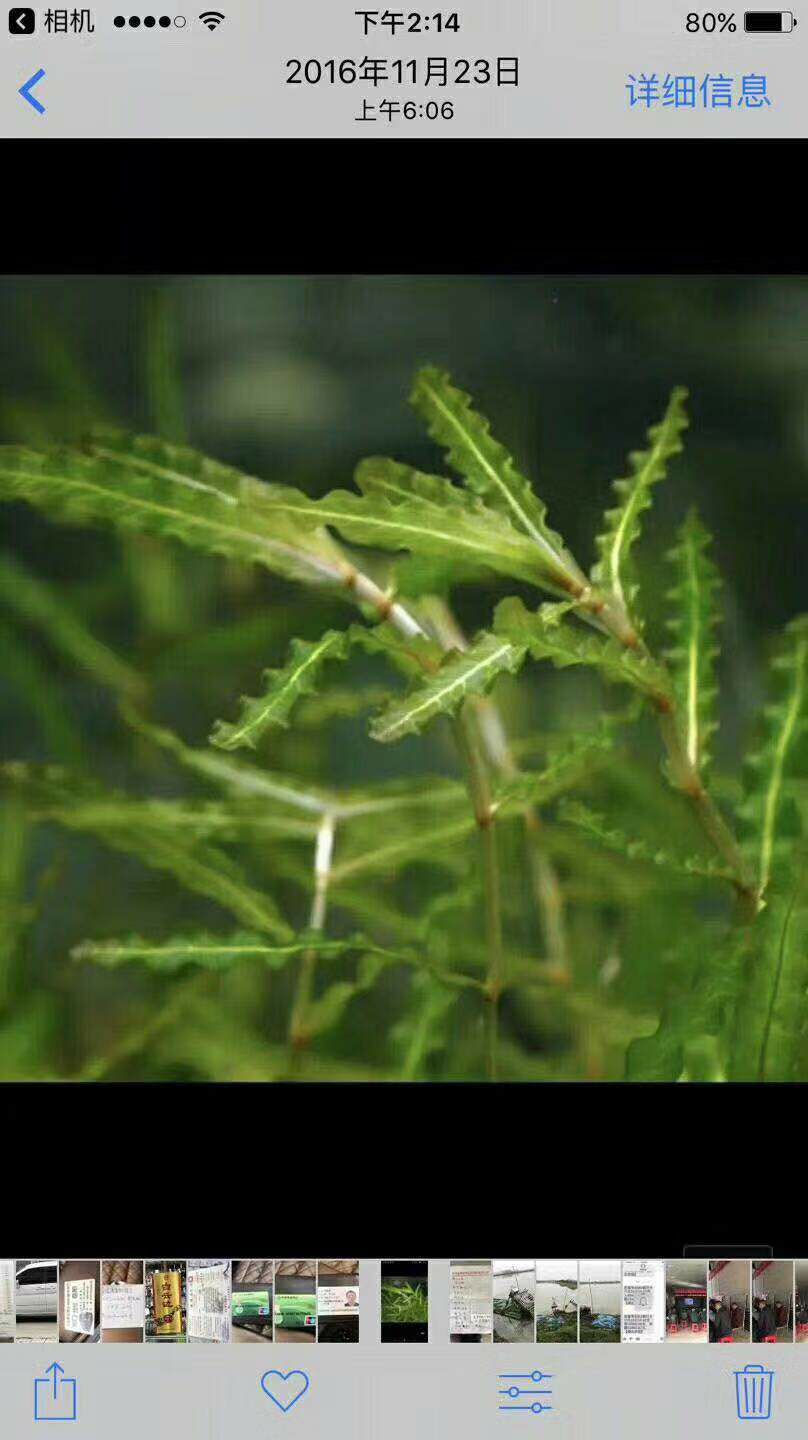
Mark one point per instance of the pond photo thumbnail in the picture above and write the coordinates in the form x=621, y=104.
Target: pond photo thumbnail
x=600, y=1284
x=557, y=1302
x=514, y=1301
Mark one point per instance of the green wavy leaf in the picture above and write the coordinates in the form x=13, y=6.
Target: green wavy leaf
x=693, y=654
x=707, y=964
x=187, y=501
x=450, y=531
x=768, y=1039
x=400, y=483
x=212, y=952
x=622, y=524
x=770, y=809
x=471, y=672
x=549, y=637
x=412, y=655
x=177, y=465
x=489, y=470
x=415, y=574
x=603, y=832
x=283, y=689
x=578, y=757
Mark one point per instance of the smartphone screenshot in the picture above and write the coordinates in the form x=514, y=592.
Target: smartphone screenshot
x=403, y=701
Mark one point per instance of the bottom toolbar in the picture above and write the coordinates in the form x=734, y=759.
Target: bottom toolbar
x=400, y=1392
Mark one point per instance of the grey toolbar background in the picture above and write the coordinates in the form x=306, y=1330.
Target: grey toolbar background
x=574, y=55
x=370, y=1391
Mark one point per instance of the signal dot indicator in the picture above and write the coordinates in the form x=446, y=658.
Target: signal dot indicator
x=149, y=21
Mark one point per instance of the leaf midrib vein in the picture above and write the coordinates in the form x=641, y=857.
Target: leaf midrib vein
x=277, y=697
x=641, y=481
x=437, y=697
x=489, y=469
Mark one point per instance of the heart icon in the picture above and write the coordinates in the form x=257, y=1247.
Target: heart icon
x=284, y=1390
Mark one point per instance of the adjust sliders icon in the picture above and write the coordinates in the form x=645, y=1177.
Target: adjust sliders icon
x=522, y=1392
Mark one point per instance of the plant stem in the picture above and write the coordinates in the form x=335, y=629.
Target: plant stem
x=298, y=1036
x=15, y=836
x=98, y=1067
x=685, y=776
x=368, y=592
x=467, y=743
x=496, y=958
x=549, y=894
x=480, y=791
x=547, y=890
x=415, y=1050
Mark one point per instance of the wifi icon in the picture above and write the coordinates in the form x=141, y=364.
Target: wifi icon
x=211, y=18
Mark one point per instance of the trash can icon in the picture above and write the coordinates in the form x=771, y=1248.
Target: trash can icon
x=753, y=1392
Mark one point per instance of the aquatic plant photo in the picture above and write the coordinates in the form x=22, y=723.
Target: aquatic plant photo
x=405, y=678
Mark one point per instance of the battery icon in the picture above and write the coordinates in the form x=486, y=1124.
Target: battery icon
x=768, y=22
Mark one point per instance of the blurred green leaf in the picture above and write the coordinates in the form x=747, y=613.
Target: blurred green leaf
x=769, y=807
x=34, y=602
x=140, y=829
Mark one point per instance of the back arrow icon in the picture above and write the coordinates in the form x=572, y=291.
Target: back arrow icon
x=25, y=91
